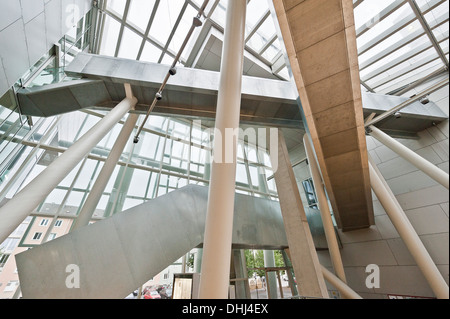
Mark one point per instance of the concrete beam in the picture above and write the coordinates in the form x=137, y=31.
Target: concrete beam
x=320, y=41
x=192, y=93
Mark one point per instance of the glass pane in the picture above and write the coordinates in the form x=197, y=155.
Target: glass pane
x=150, y=53
x=117, y=6
x=130, y=44
x=165, y=18
x=139, y=13
x=110, y=36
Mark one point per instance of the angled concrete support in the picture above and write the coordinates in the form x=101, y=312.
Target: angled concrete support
x=328, y=226
x=425, y=166
x=24, y=202
x=301, y=246
x=408, y=234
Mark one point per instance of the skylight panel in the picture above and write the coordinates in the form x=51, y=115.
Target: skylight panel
x=130, y=44
x=165, y=19
x=396, y=57
x=367, y=13
x=110, y=36
x=182, y=31
x=395, y=20
x=410, y=31
x=431, y=17
x=219, y=13
x=116, y=6
x=264, y=33
x=272, y=51
x=150, y=53
x=403, y=68
x=410, y=77
x=255, y=10
x=139, y=13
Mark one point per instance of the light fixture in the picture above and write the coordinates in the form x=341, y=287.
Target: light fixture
x=425, y=100
x=197, y=22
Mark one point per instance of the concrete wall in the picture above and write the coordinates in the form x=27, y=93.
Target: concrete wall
x=425, y=202
x=29, y=28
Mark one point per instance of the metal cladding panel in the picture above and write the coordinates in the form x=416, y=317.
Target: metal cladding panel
x=118, y=254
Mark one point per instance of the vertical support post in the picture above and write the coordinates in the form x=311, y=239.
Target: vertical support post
x=271, y=281
x=301, y=245
x=21, y=205
x=102, y=180
x=409, y=235
x=198, y=260
x=328, y=226
x=425, y=166
x=241, y=274
x=215, y=277
x=245, y=275
x=280, y=284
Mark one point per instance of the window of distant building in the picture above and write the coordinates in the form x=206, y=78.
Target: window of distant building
x=37, y=236
x=11, y=286
x=58, y=223
x=44, y=222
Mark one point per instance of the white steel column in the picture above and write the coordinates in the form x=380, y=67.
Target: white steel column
x=215, y=278
x=328, y=226
x=102, y=180
x=425, y=166
x=25, y=201
x=409, y=235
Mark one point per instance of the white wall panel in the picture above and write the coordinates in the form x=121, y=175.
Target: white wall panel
x=29, y=28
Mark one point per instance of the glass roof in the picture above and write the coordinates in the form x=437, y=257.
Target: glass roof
x=399, y=42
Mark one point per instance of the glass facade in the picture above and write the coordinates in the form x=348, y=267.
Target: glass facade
x=399, y=43
x=172, y=153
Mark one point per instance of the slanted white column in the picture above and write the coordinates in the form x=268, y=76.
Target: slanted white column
x=102, y=180
x=21, y=205
x=215, y=275
x=408, y=234
x=345, y=290
x=425, y=166
x=325, y=212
